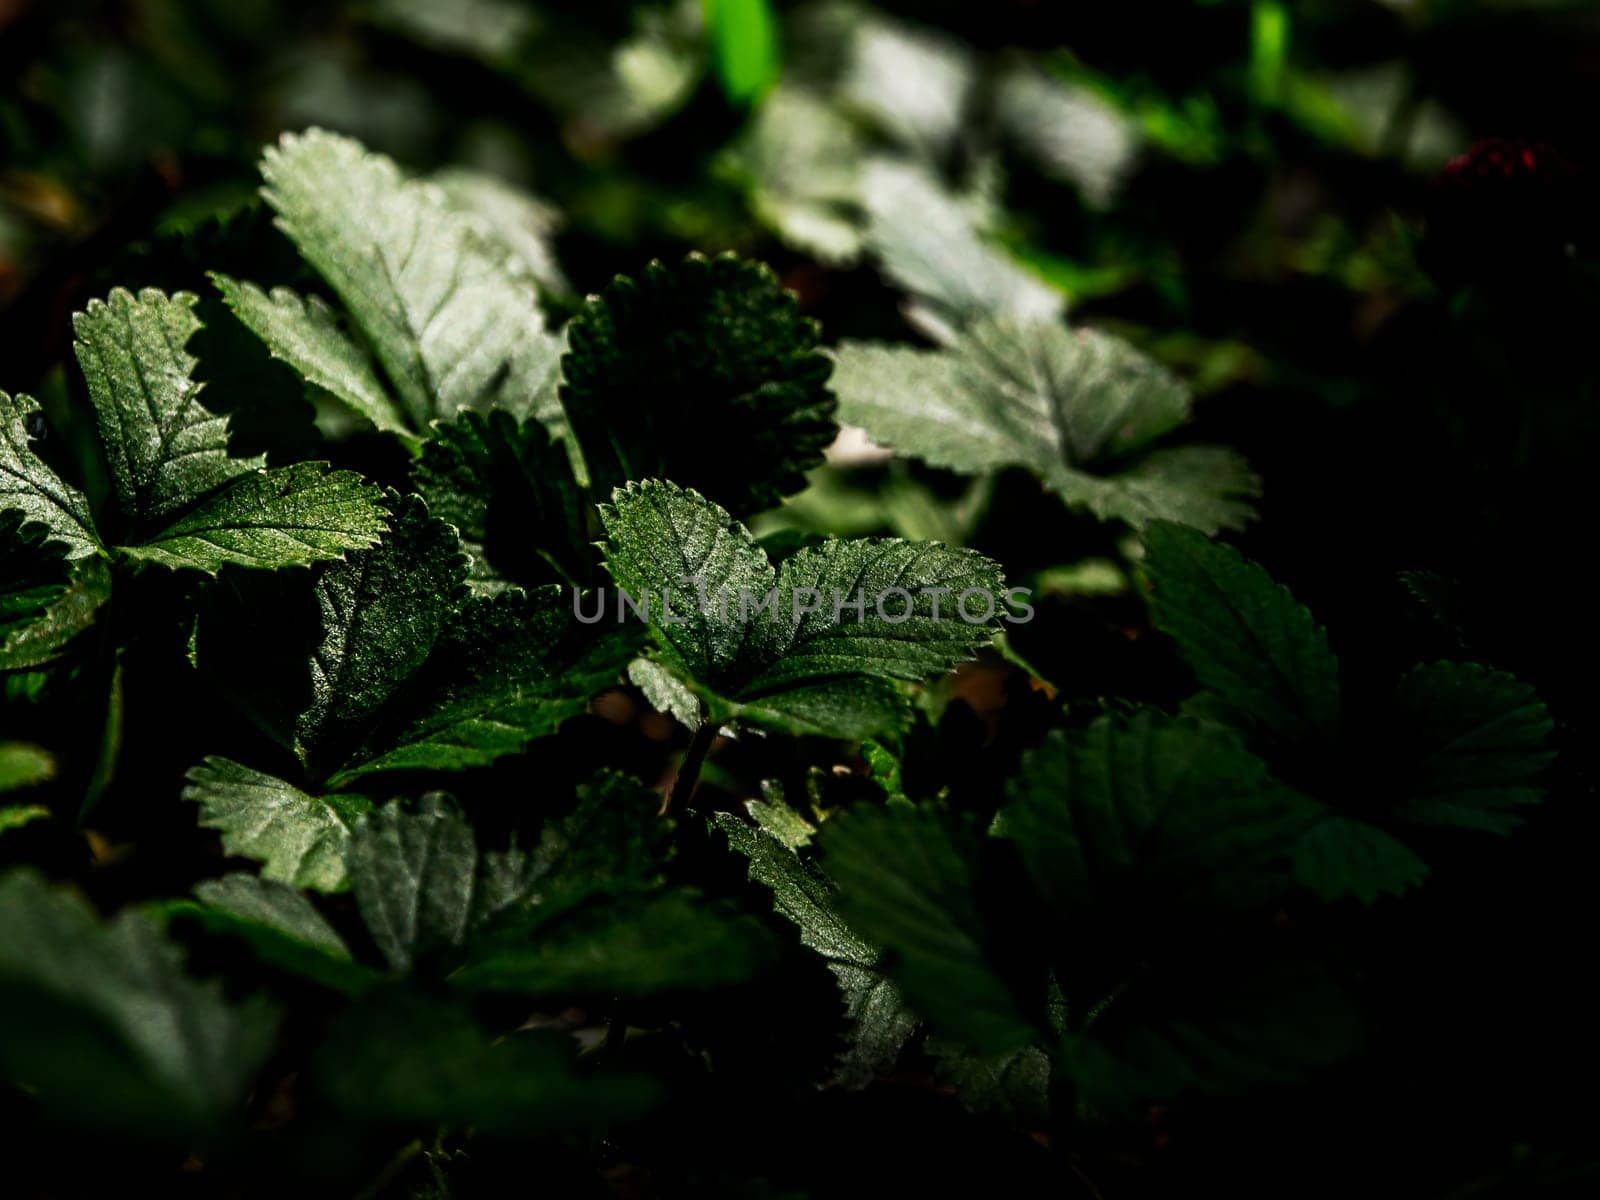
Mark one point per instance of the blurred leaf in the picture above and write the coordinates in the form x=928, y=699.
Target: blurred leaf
x=744, y=41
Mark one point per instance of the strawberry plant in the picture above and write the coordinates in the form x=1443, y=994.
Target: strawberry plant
x=856, y=641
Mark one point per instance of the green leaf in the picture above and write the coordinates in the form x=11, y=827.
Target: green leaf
x=381, y=611
x=904, y=885
x=1081, y=409
x=46, y=600
x=522, y=227
x=880, y=1025
x=30, y=487
x=1477, y=741
x=16, y=816
x=637, y=945
x=1146, y=812
x=666, y=372
x=789, y=647
x=420, y=883
x=505, y=670
x=508, y=488
x=422, y=1062
x=1216, y=1025
x=1015, y=1084
x=24, y=765
x=931, y=245
x=281, y=928
x=305, y=333
x=285, y=517
x=744, y=44
x=665, y=692
x=1340, y=856
x=297, y=838
x=166, y=449
x=104, y=1028
x=450, y=325
x=1259, y=653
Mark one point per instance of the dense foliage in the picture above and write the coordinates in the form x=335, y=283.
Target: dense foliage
x=492, y=497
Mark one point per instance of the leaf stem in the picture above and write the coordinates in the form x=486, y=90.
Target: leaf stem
x=683, y=783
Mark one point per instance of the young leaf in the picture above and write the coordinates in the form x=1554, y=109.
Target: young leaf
x=450, y=325
x=904, y=884
x=790, y=647
x=880, y=1026
x=285, y=517
x=30, y=487
x=1479, y=740
x=104, y=1027
x=1259, y=653
x=1141, y=812
x=166, y=449
x=666, y=372
x=508, y=489
x=297, y=838
x=1081, y=409
x=305, y=333
x=24, y=765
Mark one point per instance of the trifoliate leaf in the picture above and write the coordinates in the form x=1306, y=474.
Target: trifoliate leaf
x=410, y=1060
x=710, y=344
x=1477, y=740
x=1146, y=812
x=30, y=487
x=305, y=333
x=508, y=489
x=104, y=1028
x=929, y=244
x=297, y=838
x=285, y=517
x=166, y=449
x=381, y=611
x=506, y=669
x=281, y=928
x=420, y=882
x=880, y=1023
x=790, y=646
x=450, y=325
x=1082, y=409
x=904, y=884
x=1252, y=646
x=45, y=601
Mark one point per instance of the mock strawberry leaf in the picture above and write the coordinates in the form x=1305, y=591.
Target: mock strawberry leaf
x=46, y=600
x=29, y=486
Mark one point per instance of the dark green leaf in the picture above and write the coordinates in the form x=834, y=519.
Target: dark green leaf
x=667, y=373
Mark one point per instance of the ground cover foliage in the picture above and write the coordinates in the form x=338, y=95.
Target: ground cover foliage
x=358, y=835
